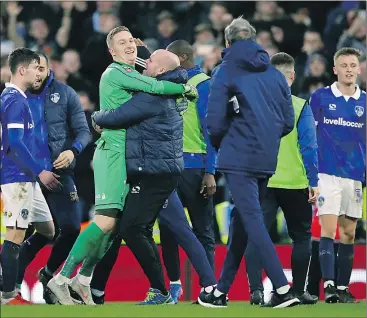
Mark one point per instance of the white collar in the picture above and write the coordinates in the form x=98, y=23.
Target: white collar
x=16, y=87
x=338, y=93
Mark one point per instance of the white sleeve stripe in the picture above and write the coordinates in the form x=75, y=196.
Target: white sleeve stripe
x=16, y=126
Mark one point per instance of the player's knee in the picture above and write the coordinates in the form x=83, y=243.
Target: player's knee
x=69, y=230
x=347, y=236
x=15, y=235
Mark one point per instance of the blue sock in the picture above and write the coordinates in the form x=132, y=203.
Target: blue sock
x=345, y=263
x=9, y=263
x=326, y=256
x=28, y=251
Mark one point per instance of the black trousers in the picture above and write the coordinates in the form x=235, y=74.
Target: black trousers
x=298, y=215
x=201, y=211
x=143, y=204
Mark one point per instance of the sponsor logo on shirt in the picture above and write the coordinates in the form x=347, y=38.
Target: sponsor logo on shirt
x=332, y=107
x=341, y=122
x=31, y=125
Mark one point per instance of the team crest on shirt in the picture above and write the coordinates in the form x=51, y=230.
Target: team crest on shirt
x=128, y=69
x=55, y=97
x=321, y=201
x=359, y=110
x=24, y=214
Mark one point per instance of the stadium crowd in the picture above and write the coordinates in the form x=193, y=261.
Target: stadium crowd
x=70, y=38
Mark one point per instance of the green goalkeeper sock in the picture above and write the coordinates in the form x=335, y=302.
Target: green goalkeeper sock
x=86, y=243
x=98, y=253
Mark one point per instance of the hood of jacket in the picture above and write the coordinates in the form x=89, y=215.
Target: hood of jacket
x=247, y=54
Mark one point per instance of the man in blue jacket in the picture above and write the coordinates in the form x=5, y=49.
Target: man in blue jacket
x=297, y=169
x=153, y=127
x=248, y=143
x=61, y=133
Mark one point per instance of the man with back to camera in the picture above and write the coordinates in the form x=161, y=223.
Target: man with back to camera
x=248, y=143
x=340, y=114
x=61, y=132
x=172, y=218
x=118, y=83
x=23, y=198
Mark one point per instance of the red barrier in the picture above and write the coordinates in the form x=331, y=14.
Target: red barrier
x=128, y=283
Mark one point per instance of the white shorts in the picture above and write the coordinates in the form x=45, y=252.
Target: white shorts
x=340, y=196
x=24, y=203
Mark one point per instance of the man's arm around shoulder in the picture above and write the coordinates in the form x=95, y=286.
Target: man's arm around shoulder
x=140, y=107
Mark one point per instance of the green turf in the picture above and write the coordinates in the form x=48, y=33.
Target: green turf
x=234, y=309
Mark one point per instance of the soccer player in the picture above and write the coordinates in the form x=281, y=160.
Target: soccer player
x=61, y=132
x=293, y=188
x=172, y=216
x=197, y=184
x=248, y=144
x=23, y=199
x=340, y=114
x=117, y=85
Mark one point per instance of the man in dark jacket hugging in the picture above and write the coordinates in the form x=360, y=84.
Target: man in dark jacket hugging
x=154, y=162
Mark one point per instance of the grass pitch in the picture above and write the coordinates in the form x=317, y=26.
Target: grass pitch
x=234, y=309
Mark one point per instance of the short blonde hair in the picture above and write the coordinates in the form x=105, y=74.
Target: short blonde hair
x=347, y=51
x=113, y=32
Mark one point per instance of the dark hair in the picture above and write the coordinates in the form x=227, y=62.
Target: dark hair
x=113, y=32
x=39, y=53
x=347, y=51
x=282, y=59
x=21, y=56
x=181, y=48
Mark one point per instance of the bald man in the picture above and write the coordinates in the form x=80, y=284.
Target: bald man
x=154, y=162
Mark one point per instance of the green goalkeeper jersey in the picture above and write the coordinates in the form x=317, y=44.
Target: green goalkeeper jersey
x=118, y=83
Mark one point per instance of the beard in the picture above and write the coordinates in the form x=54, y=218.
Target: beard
x=40, y=89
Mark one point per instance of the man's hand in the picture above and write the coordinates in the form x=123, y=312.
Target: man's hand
x=191, y=92
x=97, y=128
x=182, y=105
x=139, y=42
x=64, y=160
x=208, y=185
x=314, y=194
x=49, y=179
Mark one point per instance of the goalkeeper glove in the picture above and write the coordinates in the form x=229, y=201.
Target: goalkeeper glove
x=190, y=92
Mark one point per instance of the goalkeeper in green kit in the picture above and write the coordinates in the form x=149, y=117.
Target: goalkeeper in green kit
x=117, y=85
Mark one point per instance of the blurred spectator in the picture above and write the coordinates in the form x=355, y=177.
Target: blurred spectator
x=311, y=83
x=271, y=50
x=4, y=72
x=317, y=65
x=72, y=65
x=363, y=76
x=264, y=38
x=219, y=18
x=312, y=43
x=268, y=11
x=204, y=42
x=96, y=49
x=211, y=60
x=166, y=29
x=58, y=68
x=355, y=36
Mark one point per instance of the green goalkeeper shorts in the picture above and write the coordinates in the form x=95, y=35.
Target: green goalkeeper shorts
x=110, y=183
